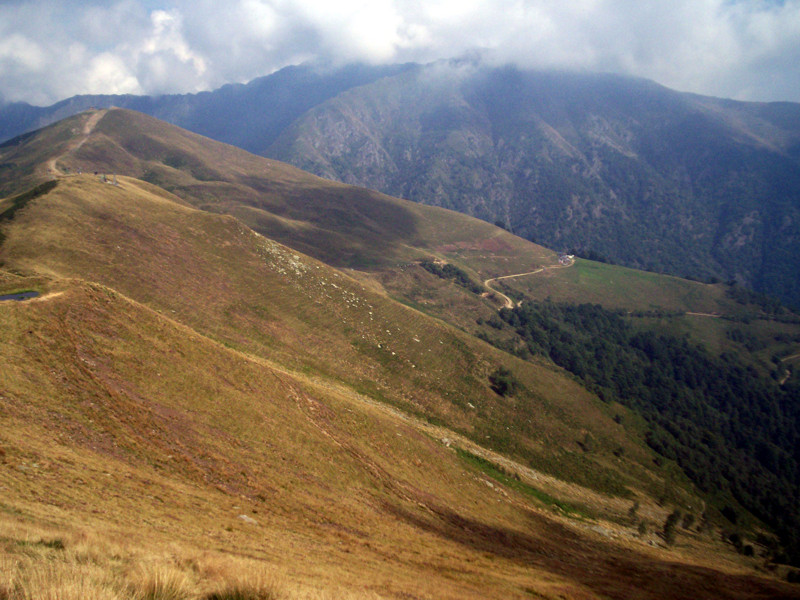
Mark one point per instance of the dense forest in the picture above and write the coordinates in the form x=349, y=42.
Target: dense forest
x=725, y=425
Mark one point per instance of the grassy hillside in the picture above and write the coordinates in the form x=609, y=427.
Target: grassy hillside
x=660, y=345
x=184, y=382
x=255, y=295
x=169, y=438
x=663, y=346
x=343, y=225
x=139, y=454
x=646, y=176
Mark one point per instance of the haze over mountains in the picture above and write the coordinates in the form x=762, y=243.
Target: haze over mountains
x=607, y=166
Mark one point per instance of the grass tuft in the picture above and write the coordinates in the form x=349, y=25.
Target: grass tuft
x=61, y=581
x=56, y=544
x=252, y=583
x=160, y=582
x=8, y=576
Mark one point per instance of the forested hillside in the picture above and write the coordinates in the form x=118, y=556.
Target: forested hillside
x=734, y=432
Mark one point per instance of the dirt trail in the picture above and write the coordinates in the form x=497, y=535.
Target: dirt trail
x=508, y=302
x=46, y=297
x=789, y=371
x=88, y=127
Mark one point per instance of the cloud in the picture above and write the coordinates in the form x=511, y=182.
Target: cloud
x=163, y=60
x=51, y=49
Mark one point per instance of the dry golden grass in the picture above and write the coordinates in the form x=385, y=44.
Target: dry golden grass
x=64, y=581
x=248, y=582
x=38, y=571
x=139, y=471
x=160, y=582
x=264, y=299
x=8, y=576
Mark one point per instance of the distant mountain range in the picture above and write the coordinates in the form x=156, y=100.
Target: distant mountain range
x=610, y=167
x=250, y=116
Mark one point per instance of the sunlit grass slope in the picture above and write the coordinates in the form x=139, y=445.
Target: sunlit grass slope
x=117, y=419
x=620, y=287
x=340, y=224
x=138, y=453
x=257, y=296
x=250, y=293
x=136, y=450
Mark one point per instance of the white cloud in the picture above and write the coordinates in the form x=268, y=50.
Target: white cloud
x=163, y=60
x=22, y=52
x=107, y=73
x=49, y=49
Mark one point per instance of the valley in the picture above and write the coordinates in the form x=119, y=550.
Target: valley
x=239, y=374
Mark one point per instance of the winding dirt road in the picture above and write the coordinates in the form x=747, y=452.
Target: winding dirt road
x=789, y=370
x=508, y=302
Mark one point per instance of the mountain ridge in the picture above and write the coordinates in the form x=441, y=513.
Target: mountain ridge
x=263, y=106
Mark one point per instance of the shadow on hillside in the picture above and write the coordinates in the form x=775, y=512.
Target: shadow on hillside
x=608, y=570
x=351, y=227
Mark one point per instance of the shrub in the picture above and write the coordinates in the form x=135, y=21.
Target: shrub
x=633, y=510
x=669, y=526
x=642, y=529
x=503, y=382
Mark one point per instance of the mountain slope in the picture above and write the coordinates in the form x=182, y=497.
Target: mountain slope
x=646, y=176
x=340, y=224
x=219, y=373
x=137, y=458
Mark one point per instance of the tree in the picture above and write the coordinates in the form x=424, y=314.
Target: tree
x=633, y=510
x=503, y=382
x=642, y=529
x=669, y=526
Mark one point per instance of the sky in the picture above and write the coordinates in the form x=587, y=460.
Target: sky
x=54, y=49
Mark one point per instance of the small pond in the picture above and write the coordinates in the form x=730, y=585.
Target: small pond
x=19, y=296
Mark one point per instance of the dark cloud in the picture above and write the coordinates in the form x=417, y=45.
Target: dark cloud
x=51, y=49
